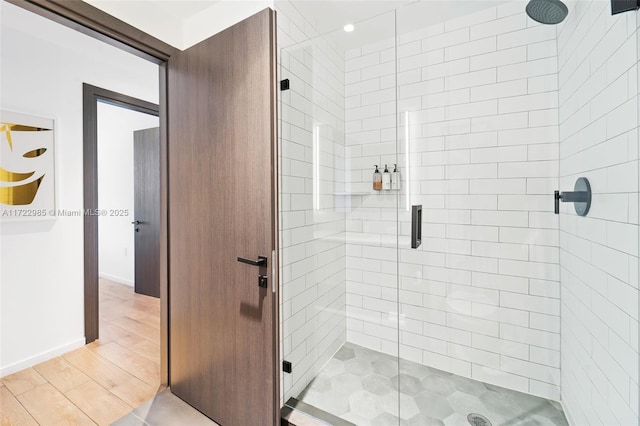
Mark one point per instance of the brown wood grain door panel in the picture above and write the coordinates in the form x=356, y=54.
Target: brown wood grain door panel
x=146, y=159
x=222, y=204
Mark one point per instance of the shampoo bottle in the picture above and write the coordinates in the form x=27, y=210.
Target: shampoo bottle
x=377, y=179
x=395, y=178
x=386, y=178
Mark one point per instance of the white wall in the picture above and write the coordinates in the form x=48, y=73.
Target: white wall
x=372, y=219
x=43, y=66
x=156, y=21
x=597, y=58
x=116, y=252
x=312, y=220
x=182, y=25
x=480, y=297
x=219, y=16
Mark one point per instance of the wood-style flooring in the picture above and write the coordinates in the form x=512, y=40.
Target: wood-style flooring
x=100, y=382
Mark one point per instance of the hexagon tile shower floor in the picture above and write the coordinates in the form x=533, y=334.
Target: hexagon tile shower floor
x=361, y=386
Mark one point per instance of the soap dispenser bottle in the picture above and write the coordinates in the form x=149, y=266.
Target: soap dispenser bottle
x=377, y=179
x=395, y=178
x=386, y=178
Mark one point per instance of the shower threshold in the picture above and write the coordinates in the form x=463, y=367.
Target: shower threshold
x=369, y=388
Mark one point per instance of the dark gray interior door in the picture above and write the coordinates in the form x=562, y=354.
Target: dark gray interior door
x=222, y=203
x=146, y=226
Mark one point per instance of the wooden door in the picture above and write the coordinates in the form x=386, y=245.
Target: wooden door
x=146, y=226
x=222, y=206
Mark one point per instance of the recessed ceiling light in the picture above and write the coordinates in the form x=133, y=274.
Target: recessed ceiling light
x=349, y=27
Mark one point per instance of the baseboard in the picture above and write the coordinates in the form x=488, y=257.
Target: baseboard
x=116, y=279
x=44, y=356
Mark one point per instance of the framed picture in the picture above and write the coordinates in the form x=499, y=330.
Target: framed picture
x=27, y=172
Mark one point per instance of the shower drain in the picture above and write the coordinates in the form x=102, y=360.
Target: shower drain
x=478, y=420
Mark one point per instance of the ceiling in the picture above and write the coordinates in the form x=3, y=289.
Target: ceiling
x=375, y=20
x=331, y=15
x=180, y=9
x=165, y=19
x=177, y=9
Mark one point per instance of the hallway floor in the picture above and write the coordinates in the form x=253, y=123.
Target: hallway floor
x=165, y=409
x=100, y=382
x=361, y=386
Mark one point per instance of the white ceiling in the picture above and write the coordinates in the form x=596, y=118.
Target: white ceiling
x=375, y=20
x=331, y=15
x=177, y=9
x=168, y=19
x=181, y=9
x=181, y=23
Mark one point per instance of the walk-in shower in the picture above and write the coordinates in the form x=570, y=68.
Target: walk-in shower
x=505, y=312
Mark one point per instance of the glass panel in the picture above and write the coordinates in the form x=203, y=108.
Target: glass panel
x=482, y=161
x=495, y=112
x=339, y=235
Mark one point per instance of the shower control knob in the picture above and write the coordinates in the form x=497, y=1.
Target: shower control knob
x=580, y=197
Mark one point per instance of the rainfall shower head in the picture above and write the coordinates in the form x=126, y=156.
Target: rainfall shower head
x=547, y=11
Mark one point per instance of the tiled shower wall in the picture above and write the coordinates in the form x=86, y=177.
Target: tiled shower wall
x=312, y=242
x=599, y=253
x=480, y=297
x=372, y=219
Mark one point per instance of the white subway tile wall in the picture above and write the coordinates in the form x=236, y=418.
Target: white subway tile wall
x=372, y=226
x=597, y=57
x=312, y=220
x=481, y=296
x=485, y=115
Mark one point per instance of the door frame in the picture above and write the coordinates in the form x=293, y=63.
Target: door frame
x=89, y=20
x=91, y=96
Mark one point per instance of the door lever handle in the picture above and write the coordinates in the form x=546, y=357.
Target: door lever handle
x=135, y=222
x=262, y=261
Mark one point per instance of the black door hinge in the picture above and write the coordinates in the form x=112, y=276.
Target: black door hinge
x=284, y=84
x=286, y=366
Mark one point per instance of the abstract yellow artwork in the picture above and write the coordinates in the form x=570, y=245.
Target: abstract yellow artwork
x=26, y=165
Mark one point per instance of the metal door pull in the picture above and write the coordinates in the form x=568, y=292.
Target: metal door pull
x=416, y=226
x=262, y=261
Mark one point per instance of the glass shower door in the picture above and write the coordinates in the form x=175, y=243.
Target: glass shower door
x=479, y=135
x=339, y=234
